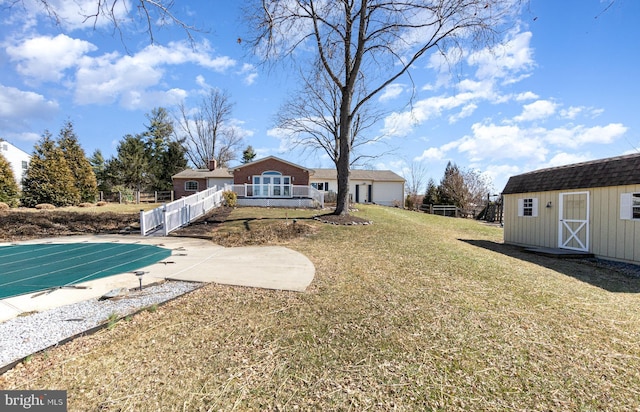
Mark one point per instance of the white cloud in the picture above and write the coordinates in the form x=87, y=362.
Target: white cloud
x=563, y=158
x=130, y=79
x=578, y=136
x=432, y=153
x=249, y=72
x=45, y=58
x=400, y=124
x=539, y=109
x=572, y=112
x=526, y=96
x=490, y=141
x=506, y=60
x=391, y=92
x=18, y=107
x=465, y=112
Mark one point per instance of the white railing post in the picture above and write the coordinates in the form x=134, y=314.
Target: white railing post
x=143, y=226
x=165, y=222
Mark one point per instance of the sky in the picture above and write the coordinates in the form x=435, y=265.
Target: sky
x=562, y=87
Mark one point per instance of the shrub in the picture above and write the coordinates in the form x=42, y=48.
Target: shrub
x=85, y=204
x=230, y=198
x=45, y=206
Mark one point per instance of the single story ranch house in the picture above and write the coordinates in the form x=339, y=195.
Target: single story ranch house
x=272, y=181
x=590, y=207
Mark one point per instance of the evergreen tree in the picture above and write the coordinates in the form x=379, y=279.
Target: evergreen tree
x=84, y=177
x=173, y=161
x=431, y=196
x=49, y=178
x=452, y=190
x=9, y=192
x=248, y=154
x=165, y=157
x=131, y=167
x=99, y=166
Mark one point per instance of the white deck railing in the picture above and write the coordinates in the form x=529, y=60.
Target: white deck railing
x=276, y=191
x=179, y=213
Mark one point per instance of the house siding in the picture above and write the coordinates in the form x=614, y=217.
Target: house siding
x=179, y=186
x=244, y=174
x=609, y=236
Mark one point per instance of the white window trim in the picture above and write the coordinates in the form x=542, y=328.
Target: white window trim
x=626, y=206
x=534, y=207
x=191, y=190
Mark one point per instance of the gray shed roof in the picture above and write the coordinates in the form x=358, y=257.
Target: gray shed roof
x=613, y=171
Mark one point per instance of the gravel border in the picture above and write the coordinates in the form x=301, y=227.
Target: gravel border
x=25, y=335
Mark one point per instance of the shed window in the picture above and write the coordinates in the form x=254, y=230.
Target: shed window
x=630, y=206
x=528, y=207
x=191, y=186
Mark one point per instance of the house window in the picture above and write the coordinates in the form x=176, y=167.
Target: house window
x=630, y=206
x=191, y=186
x=272, y=184
x=25, y=165
x=528, y=207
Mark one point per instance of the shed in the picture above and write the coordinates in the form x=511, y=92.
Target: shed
x=590, y=207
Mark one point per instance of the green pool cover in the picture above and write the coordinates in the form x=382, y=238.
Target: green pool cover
x=36, y=267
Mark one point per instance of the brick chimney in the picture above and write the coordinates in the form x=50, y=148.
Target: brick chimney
x=212, y=164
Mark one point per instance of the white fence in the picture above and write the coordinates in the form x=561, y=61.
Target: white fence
x=277, y=194
x=179, y=213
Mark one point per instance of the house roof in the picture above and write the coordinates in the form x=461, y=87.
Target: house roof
x=613, y=171
x=358, y=174
x=222, y=172
x=268, y=158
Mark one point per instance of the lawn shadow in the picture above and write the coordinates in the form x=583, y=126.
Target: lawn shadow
x=592, y=271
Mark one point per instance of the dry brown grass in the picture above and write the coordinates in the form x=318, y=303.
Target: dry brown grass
x=414, y=312
x=23, y=223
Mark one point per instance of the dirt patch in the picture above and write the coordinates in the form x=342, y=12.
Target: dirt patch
x=18, y=225
x=251, y=231
x=203, y=227
x=342, y=219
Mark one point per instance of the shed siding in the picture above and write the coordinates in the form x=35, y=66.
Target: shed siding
x=610, y=237
x=541, y=230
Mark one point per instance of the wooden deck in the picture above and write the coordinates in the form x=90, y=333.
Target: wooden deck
x=559, y=253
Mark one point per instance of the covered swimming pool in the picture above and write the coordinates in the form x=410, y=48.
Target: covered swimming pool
x=32, y=268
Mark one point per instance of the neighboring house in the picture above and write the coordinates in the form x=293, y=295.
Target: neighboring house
x=591, y=207
x=18, y=159
x=275, y=182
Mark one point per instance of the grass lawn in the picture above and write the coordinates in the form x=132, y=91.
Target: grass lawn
x=414, y=312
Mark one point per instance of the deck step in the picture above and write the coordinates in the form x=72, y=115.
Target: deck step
x=559, y=253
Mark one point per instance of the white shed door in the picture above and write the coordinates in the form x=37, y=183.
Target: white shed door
x=574, y=221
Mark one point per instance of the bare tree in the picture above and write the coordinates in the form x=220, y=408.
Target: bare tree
x=366, y=45
x=478, y=187
x=151, y=13
x=415, y=182
x=207, y=131
x=311, y=120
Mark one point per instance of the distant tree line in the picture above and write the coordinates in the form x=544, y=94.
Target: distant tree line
x=61, y=174
x=465, y=189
